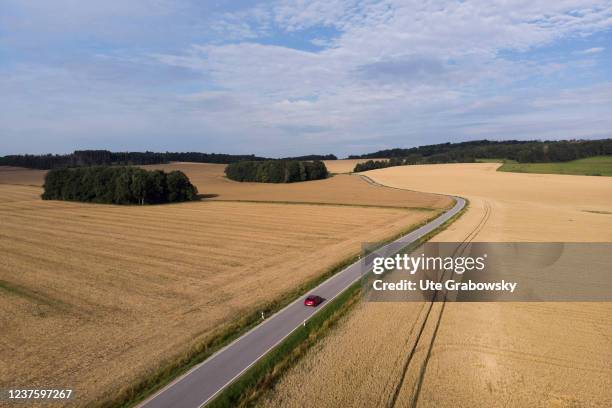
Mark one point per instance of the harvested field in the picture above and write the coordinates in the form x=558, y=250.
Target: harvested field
x=21, y=176
x=96, y=296
x=524, y=207
x=360, y=370
x=340, y=189
x=344, y=166
x=483, y=354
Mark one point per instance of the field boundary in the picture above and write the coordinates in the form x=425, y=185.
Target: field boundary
x=391, y=207
x=595, y=166
x=373, y=182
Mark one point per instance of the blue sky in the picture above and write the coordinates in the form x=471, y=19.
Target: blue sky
x=297, y=77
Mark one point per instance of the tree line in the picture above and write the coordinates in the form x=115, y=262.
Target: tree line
x=520, y=151
x=104, y=158
x=118, y=185
x=468, y=152
x=411, y=159
x=276, y=171
x=312, y=157
x=378, y=164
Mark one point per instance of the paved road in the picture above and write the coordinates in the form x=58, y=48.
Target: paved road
x=202, y=383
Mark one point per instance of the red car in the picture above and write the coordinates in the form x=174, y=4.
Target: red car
x=313, y=300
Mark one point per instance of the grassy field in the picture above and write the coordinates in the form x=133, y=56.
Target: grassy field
x=592, y=166
x=482, y=354
x=97, y=296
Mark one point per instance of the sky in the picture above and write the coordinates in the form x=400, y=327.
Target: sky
x=279, y=78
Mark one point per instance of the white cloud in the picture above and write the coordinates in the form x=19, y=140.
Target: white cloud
x=594, y=50
x=390, y=73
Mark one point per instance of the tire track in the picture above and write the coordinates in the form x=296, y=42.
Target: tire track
x=432, y=318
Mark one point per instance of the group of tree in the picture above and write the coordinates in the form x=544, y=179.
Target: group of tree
x=467, y=152
x=276, y=171
x=379, y=164
x=313, y=157
x=118, y=185
x=104, y=158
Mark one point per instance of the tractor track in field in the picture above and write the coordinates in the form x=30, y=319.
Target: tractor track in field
x=435, y=319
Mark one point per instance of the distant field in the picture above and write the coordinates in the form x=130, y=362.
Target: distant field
x=592, y=166
x=340, y=189
x=21, y=176
x=97, y=296
x=209, y=178
x=344, y=166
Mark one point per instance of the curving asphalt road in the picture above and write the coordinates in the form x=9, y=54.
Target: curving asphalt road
x=203, y=382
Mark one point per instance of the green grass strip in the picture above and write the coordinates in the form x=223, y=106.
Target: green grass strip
x=591, y=166
x=246, y=391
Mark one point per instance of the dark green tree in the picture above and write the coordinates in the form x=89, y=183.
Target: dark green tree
x=180, y=188
x=117, y=185
x=276, y=171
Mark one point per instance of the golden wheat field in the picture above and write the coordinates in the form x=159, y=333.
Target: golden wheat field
x=94, y=297
x=345, y=165
x=340, y=189
x=21, y=176
x=211, y=181
x=484, y=354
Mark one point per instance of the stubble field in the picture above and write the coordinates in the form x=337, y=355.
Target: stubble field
x=21, y=176
x=481, y=354
x=94, y=297
x=345, y=165
x=340, y=189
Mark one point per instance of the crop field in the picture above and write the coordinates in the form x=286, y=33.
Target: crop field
x=345, y=165
x=482, y=354
x=340, y=189
x=211, y=182
x=523, y=207
x=21, y=176
x=592, y=166
x=360, y=370
x=94, y=297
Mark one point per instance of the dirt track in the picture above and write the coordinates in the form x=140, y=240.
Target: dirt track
x=483, y=354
